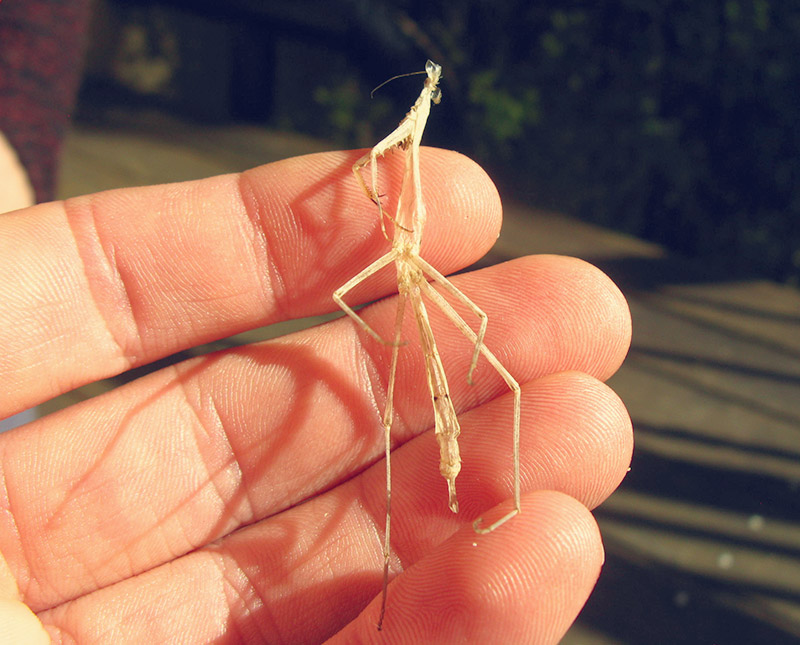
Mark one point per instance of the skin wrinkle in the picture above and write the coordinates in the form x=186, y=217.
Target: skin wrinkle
x=110, y=256
x=367, y=491
x=197, y=412
x=59, y=635
x=210, y=478
x=65, y=502
x=319, y=247
x=239, y=477
x=368, y=368
x=281, y=298
x=44, y=586
x=121, y=552
x=232, y=577
x=289, y=501
x=293, y=223
x=372, y=537
x=22, y=575
x=160, y=524
x=129, y=345
x=234, y=602
x=270, y=279
x=272, y=622
x=137, y=538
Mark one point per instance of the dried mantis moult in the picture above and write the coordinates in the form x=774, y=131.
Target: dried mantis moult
x=412, y=284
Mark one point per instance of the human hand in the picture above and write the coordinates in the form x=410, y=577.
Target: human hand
x=234, y=497
x=15, y=188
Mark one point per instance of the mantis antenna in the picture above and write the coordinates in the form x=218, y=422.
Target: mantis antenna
x=394, y=78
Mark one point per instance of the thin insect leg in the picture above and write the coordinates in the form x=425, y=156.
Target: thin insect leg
x=456, y=292
x=465, y=329
x=388, y=415
x=420, y=214
x=374, y=195
x=398, y=137
x=338, y=295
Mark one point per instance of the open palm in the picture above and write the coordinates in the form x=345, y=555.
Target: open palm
x=235, y=497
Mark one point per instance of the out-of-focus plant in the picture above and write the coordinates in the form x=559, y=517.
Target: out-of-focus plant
x=351, y=118
x=500, y=114
x=674, y=121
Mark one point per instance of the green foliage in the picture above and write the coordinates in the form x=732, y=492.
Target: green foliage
x=502, y=114
x=350, y=118
x=676, y=121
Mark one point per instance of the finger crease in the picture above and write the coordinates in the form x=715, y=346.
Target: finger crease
x=122, y=316
x=271, y=279
x=216, y=421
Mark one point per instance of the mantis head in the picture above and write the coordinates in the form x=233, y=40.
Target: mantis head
x=434, y=73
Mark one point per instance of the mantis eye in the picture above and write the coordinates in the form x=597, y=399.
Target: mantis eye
x=436, y=96
x=432, y=69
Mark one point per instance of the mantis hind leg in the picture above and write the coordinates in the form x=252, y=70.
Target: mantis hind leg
x=388, y=415
x=465, y=329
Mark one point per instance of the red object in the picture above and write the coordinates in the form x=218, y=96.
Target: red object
x=41, y=54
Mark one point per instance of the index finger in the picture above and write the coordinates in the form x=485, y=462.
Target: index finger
x=96, y=285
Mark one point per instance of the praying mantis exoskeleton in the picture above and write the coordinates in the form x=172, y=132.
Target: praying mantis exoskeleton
x=412, y=285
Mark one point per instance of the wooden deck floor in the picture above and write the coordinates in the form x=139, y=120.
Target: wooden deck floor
x=703, y=538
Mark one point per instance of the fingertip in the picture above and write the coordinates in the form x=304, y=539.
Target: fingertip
x=523, y=583
x=579, y=314
x=462, y=189
x=584, y=437
x=610, y=316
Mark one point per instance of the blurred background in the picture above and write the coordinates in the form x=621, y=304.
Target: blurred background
x=672, y=121
x=658, y=140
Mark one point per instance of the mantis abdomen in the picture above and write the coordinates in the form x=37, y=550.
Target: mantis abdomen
x=446, y=421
